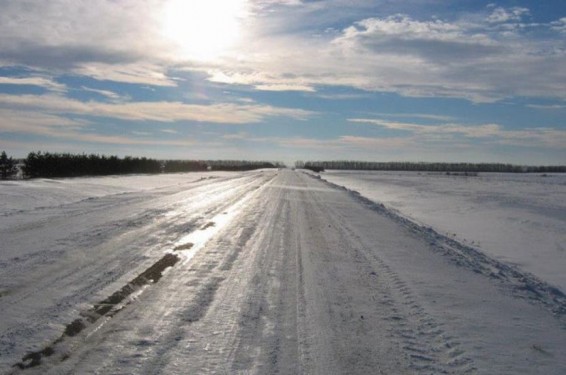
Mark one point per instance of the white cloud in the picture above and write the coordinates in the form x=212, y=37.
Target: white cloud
x=285, y=48
x=431, y=58
x=425, y=116
x=87, y=23
x=138, y=73
x=500, y=14
x=105, y=93
x=341, y=96
x=227, y=113
x=62, y=128
x=261, y=81
x=284, y=87
x=376, y=142
x=119, y=140
x=31, y=122
x=46, y=83
x=491, y=133
x=106, y=40
x=401, y=26
x=549, y=106
x=479, y=131
x=559, y=25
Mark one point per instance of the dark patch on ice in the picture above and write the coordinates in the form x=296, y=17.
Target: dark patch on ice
x=103, y=308
x=208, y=225
x=539, y=349
x=34, y=358
x=151, y=275
x=144, y=342
x=186, y=246
x=74, y=328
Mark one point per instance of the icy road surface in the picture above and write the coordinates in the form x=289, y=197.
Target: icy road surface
x=260, y=273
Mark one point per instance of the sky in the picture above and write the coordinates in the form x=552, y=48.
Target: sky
x=286, y=80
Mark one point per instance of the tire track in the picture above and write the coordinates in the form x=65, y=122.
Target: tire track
x=428, y=347
x=421, y=338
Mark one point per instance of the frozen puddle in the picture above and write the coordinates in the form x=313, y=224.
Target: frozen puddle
x=190, y=244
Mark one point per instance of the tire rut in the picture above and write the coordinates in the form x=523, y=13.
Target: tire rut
x=427, y=347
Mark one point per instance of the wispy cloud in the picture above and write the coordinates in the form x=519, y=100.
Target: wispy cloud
x=377, y=142
x=341, y=96
x=261, y=80
x=224, y=113
x=31, y=122
x=424, y=116
x=500, y=14
x=122, y=140
x=478, y=131
x=491, y=133
x=46, y=83
x=138, y=73
x=346, y=142
x=559, y=25
x=62, y=128
x=106, y=93
x=547, y=106
x=284, y=87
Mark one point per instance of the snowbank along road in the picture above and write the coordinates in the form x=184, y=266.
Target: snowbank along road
x=271, y=272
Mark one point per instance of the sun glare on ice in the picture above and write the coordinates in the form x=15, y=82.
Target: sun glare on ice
x=203, y=29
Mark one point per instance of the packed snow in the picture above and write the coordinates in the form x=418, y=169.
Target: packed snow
x=19, y=195
x=519, y=219
x=271, y=272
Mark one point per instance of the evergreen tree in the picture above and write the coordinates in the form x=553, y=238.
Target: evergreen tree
x=7, y=166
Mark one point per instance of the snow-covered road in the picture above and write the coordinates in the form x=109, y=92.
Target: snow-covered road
x=270, y=272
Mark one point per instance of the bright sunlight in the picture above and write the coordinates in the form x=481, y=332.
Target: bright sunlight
x=203, y=29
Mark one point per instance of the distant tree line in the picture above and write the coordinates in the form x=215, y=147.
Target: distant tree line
x=241, y=165
x=46, y=164
x=175, y=166
x=50, y=165
x=8, y=167
x=427, y=167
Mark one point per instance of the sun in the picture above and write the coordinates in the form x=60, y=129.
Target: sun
x=203, y=29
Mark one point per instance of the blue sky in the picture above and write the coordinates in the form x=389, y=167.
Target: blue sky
x=285, y=80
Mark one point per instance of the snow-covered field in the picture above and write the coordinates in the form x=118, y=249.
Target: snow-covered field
x=517, y=218
x=276, y=272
